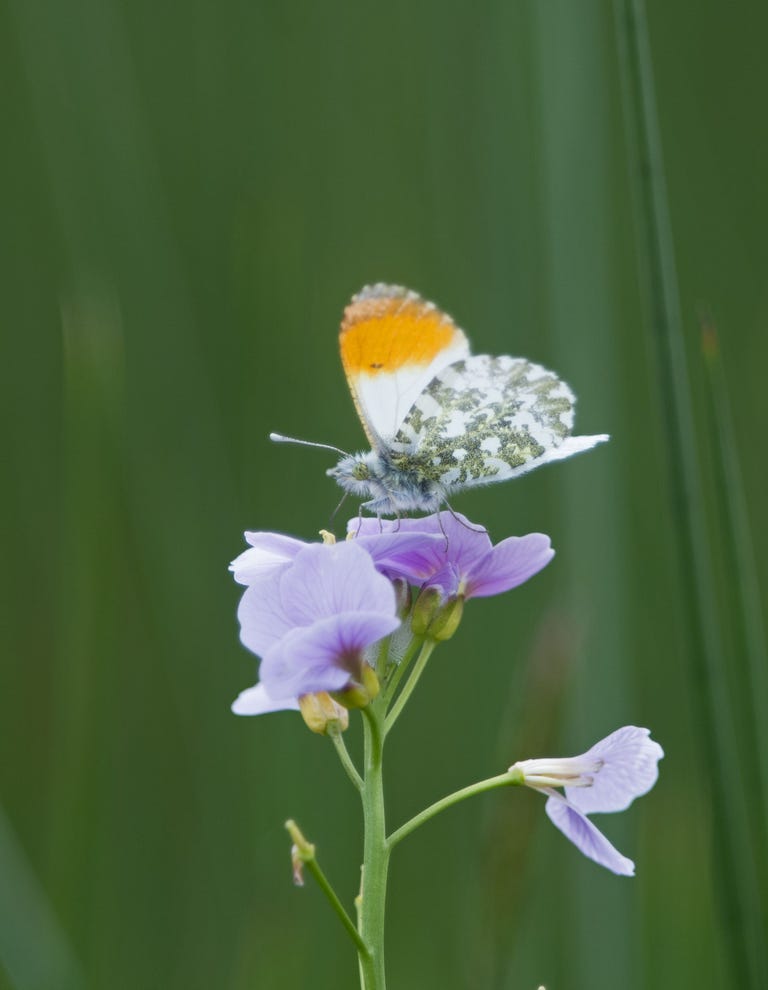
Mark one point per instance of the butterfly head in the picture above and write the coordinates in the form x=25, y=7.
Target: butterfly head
x=358, y=473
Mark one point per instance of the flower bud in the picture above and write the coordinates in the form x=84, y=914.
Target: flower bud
x=424, y=610
x=435, y=619
x=297, y=866
x=302, y=852
x=447, y=620
x=359, y=693
x=320, y=713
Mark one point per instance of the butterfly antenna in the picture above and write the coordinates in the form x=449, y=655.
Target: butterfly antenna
x=279, y=438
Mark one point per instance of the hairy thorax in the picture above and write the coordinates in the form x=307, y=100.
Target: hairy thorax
x=390, y=488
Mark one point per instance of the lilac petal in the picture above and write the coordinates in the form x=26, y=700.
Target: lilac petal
x=466, y=540
x=509, y=564
x=448, y=540
x=256, y=701
x=261, y=615
x=448, y=579
x=268, y=552
x=367, y=526
x=468, y=543
x=328, y=580
x=630, y=768
x=316, y=658
x=586, y=836
x=410, y=556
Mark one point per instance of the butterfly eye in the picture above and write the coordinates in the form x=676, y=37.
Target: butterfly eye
x=360, y=472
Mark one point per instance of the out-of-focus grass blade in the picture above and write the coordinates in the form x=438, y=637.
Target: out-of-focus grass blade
x=580, y=310
x=721, y=764
x=741, y=575
x=34, y=951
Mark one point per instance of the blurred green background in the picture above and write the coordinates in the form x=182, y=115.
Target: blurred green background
x=191, y=195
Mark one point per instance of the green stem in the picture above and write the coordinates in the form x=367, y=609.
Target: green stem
x=346, y=760
x=376, y=852
x=305, y=852
x=338, y=907
x=410, y=684
x=491, y=783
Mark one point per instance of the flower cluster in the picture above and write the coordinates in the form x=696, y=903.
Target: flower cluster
x=325, y=618
x=312, y=611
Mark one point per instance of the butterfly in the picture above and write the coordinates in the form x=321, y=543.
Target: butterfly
x=440, y=420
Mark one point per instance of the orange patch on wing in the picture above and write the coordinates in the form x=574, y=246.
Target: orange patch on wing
x=381, y=334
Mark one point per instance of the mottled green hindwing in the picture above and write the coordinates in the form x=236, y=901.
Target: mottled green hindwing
x=484, y=419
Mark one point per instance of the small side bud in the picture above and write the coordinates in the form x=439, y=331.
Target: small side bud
x=301, y=852
x=360, y=693
x=322, y=714
x=447, y=620
x=424, y=610
x=435, y=619
x=297, y=866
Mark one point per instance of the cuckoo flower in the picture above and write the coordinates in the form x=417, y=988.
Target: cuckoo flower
x=608, y=777
x=457, y=556
x=256, y=701
x=269, y=553
x=310, y=619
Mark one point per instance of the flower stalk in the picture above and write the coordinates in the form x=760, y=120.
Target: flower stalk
x=373, y=890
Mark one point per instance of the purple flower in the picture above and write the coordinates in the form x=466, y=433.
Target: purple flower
x=456, y=556
x=309, y=613
x=607, y=777
x=256, y=701
x=269, y=553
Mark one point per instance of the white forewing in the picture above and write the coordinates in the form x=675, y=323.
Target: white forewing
x=384, y=400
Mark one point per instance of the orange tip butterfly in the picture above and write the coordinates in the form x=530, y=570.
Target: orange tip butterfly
x=440, y=420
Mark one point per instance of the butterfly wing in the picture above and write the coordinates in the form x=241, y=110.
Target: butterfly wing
x=486, y=419
x=393, y=343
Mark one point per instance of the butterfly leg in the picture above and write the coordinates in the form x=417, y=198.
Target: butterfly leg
x=442, y=530
x=359, y=521
x=336, y=510
x=472, y=529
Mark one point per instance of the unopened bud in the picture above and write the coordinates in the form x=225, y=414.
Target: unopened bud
x=321, y=713
x=301, y=852
x=424, y=610
x=361, y=692
x=434, y=618
x=297, y=866
x=447, y=620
